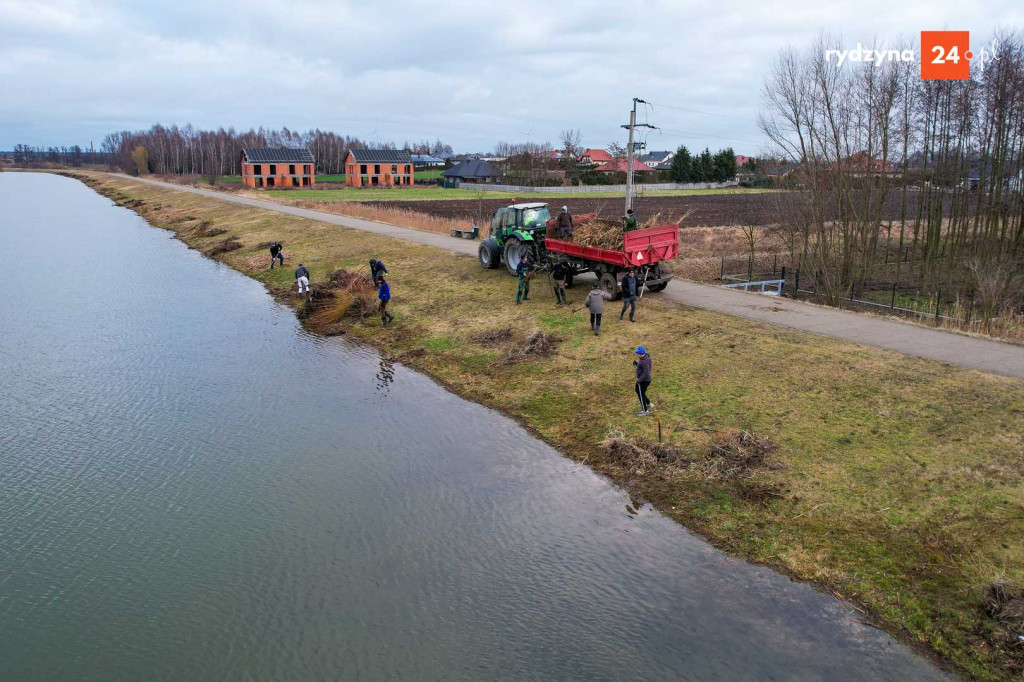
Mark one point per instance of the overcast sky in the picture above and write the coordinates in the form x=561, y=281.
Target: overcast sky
x=469, y=73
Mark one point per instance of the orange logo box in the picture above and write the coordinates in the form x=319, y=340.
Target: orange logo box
x=945, y=55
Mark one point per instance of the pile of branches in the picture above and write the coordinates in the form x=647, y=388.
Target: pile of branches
x=605, y=234
x=539, y=344
x=344, y=295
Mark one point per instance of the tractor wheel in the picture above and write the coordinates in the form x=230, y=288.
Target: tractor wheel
x=490, y=254
x=514, y=252
x=610, y=285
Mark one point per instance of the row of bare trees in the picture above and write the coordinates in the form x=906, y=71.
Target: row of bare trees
x=902, y=180
x=185, y=150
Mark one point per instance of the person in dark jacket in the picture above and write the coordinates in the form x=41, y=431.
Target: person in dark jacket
x=276, y=252
x=376, y=270
x=595, y=301
x=524, y=271
x=642, y=369
x=384, y=295
x=302, y=278
x=630, y=288
x=564, y=224
x=558, y=274
x=629, y=222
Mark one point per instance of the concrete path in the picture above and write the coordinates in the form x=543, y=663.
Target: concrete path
x=933, y=344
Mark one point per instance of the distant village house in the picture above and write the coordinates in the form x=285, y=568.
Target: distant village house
x=263, y=168
x=378, y=168
x=472, y=171
x=594, y=156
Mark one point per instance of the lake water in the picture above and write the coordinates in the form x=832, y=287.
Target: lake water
x=194, y=488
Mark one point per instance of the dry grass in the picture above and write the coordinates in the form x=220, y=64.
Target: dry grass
x=895, y=482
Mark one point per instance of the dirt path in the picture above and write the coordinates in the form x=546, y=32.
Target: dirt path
x=932, y=344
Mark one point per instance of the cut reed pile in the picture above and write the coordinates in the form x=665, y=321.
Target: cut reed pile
x=605, y=234
x=344, y=294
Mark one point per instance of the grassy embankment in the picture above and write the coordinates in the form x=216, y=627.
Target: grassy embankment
x=893, y=482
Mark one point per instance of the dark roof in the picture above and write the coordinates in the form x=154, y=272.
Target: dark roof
x=655, y=156
x=471, y=168
x=381, y=156
x=281, y=155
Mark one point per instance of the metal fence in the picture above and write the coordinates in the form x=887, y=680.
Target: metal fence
x=588, y=189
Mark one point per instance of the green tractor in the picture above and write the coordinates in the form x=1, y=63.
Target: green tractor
x=516, y=231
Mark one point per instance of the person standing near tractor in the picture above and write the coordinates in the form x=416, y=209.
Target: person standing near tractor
x=524, y=271
x=629, y=222
x=595, y=302
x=276, y=252
x=642, y=368
x=564, y=224
x=377, y=270
x=384, y=295
x=629, y=287
x=558, y=274
x=302, y=278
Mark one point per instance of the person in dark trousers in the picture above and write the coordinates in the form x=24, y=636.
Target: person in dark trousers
x=630, y=287
x=558, y=274
x=524, y=271
x=377, y=269
x=276, y=252
x=564, y=224
x=629, y=222
x=642, y=368
x=384, y=295
x=595, y=301
x=302, y=278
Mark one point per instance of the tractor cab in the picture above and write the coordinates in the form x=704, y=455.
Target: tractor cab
x=526, y=219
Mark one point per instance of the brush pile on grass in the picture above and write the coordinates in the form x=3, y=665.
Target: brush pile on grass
x=639, y=455
x=734, y=455
x=539, y=344
x=494, y=337
x=344, y=295
x=223, y=246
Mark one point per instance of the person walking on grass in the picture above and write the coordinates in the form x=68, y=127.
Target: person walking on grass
x=524, y=271
x=595, y=301
x=629, y=287
x=642, y=369
x=377, y=270
x=629, y=222
x=302, y=278
x=558, y=274
x=384, y=295
x=276, y=252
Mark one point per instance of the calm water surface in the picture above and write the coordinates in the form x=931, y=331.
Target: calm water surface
x=191, y=487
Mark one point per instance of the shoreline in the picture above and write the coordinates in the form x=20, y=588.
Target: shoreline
x=572, y=399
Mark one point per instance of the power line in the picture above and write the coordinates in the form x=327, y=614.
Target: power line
x=690, y=133
x=706, y=113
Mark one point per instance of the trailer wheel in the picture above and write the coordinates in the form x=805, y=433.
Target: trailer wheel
x=610, y=285
x=490, y=254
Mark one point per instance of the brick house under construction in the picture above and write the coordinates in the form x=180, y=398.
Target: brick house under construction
x=263, y=168
x=378, y=168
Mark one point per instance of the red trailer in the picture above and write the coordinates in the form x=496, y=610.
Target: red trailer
x=645, y=250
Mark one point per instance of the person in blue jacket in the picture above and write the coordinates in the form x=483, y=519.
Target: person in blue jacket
x=384, y=295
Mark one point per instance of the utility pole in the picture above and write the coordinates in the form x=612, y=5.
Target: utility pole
x=630, y=151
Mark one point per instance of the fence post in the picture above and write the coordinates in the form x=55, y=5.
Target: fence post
x=938, y=303
x=723, y=269
x=892, y=305
x=796, y=286
x=782, y=286
x=775, y=264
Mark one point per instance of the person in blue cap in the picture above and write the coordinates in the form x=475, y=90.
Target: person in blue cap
x=642, y=368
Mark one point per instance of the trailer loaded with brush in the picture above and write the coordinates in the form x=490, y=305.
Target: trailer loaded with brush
x=528, y=229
